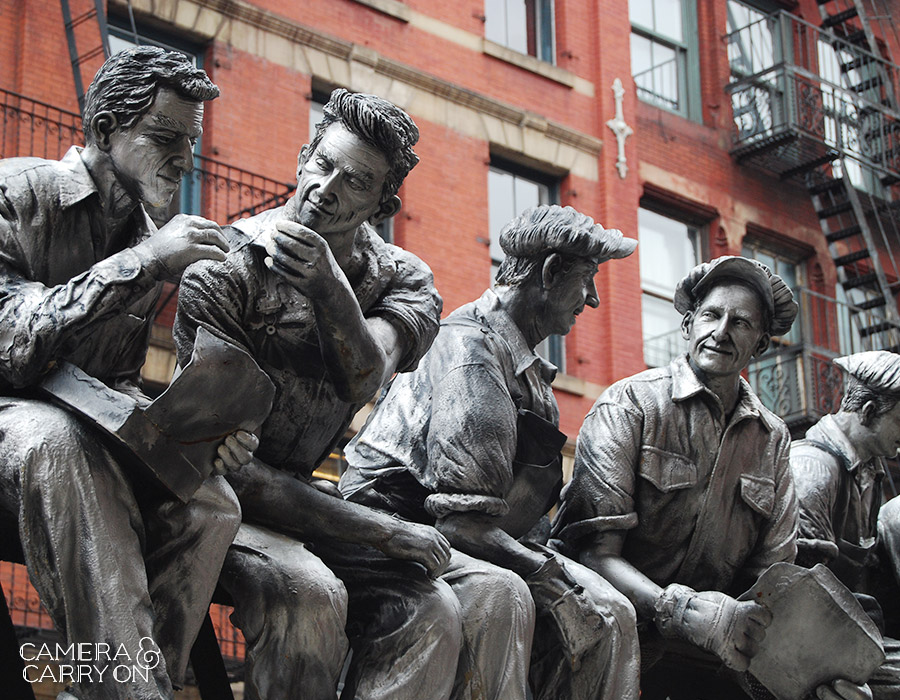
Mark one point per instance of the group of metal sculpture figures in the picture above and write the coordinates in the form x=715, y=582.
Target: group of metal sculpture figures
x=433, y=564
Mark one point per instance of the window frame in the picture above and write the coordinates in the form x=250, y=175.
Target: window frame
x=697, y=229
x=540, y=27
x=552, y=348
x=687, y=59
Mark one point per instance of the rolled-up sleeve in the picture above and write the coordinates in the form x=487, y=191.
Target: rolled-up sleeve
x=413, y=305
x=817, y=482
x=471, y=442
x=600, y=497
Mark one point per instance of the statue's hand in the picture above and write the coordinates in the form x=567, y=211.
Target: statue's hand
x=235, y=451
x=419, y=543
x=731, y=629
x=304, y=259
x=184, y=240
x=843, y=690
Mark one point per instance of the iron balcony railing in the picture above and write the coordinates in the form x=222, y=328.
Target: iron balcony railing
x=795, y=378
x=214, y=189
x=802, y=95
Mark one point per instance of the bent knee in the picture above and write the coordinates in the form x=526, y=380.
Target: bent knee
x=44, y=427
x=621, y=610
x=216, y=501
x=509, y=594
x=438, y=607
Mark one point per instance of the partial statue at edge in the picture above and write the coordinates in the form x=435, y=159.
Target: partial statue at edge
x=81, y=269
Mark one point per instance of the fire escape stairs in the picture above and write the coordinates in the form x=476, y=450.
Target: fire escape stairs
x=85, y=25
x=846, y=224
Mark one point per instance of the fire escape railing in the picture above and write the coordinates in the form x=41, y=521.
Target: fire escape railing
x=797, y=105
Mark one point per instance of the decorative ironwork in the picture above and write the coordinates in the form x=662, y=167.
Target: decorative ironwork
x=811, y=92
x=214, y=189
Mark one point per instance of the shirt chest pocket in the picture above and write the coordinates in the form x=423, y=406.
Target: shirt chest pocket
x=667, y=471
x=758, y=492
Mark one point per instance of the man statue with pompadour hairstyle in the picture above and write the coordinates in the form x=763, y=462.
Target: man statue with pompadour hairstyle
x=81, y=270
x=469, y=442
x=838, y=468
x=330, y=312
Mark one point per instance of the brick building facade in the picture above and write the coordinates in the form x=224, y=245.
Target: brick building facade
x=732, y=116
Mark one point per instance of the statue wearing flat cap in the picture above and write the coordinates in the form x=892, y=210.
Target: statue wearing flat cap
x=682, y=496
x=838, y=469
x=470, y=443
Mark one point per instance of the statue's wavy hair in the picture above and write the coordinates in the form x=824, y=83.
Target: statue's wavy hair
x=541, y=231
x=380, y=124
x=859, y=393
x=127, y=83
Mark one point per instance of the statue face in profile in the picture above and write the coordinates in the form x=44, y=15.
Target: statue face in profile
x=885, y=432
x=572, y=290
x=725, y=330
x=151, y=156
x=339, y=185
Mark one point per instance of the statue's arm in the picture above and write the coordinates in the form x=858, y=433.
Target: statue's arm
x=294, y=507
x=40, y=323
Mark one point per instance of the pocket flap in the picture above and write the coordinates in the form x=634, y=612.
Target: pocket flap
x=667, y=471
x=758, y=492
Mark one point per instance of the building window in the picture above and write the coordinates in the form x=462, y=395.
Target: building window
x=787, y=267
x=512, y=190
x=664, y=62
x=756, y=107
x=668, y=250
x=525, y=26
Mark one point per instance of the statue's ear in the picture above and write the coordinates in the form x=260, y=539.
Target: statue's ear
x=686, y=323
x=301, y=159
x=551, y=270
x=868, y=413
x=386, y=210
x=762, y=345
x=102, y=125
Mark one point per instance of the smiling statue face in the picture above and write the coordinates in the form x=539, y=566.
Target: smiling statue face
x=339, y=185
x=725, y=330
x=151, y=156
x=573, y=290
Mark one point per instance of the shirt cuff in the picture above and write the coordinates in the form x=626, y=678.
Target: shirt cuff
x=573, y=532
x=440, y=505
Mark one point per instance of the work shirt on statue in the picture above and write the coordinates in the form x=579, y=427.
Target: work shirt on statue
x=68, y=291
x=839, y=495
x=244, y=302
x=444, y=437
x=701, y=500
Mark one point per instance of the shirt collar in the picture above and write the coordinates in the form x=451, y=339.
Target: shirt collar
x=523, y=356
x=828, y=431
x=686, y=384
x=80, y=185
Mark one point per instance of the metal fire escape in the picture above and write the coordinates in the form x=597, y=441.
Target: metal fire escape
x=818, y=105
x=88, y=29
